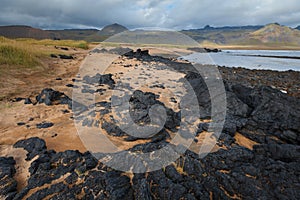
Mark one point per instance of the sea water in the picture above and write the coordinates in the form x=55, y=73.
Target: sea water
x=249, y=59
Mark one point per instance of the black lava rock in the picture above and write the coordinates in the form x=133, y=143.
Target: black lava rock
x=52, y=97
x=8, y=186
x=44, y=125
x=62, y=56
x=100, y=79
x=260, y=113
x=34, y=146
x=27, y=101
x=21, y=123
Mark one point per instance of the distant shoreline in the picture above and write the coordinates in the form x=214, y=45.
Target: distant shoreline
x=268, y=56
x=248, y=47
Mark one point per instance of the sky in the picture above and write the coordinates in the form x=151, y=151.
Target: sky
x=171, y=14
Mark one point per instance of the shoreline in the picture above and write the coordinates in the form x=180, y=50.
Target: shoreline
x=250, y=47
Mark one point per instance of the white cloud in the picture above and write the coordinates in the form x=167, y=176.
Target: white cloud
x=148, y=13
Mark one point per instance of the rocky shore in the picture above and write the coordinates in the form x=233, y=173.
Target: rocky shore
x=257, y=155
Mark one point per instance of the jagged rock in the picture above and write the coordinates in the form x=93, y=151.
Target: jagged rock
x=212, y=50
x=201, y=91
x=269, y=171
x=27, y=101
x=44, y=125
x=138, y=54
x=236, y=171
x=52, y=97
x=283, y=80
x=272, y=112
x=8, y=185
x=112, y=129
x=141, y=102
x=100, y=79
x=34, y=146
x=61, y=56
x=120, y=50
x=283, y=152
x=99, y=51
x=141, y=188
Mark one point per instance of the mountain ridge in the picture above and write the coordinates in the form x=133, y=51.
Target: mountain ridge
x=23, y=31
x=276, y=33
x=272, y=34
x=112, y=29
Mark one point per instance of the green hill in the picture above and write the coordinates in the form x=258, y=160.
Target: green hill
x=26, y=32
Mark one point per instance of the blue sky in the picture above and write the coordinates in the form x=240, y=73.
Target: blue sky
x=172, y=14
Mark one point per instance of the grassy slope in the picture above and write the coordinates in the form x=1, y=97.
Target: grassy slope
x=87, y=35
x=24, y=57
x=26, y=52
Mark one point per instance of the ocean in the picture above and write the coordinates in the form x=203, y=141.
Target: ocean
x=279, y=60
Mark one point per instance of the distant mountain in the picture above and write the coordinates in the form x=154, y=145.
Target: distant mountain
x=26, y=32
x=112, y=30
x=90, y=35
x=78, y=34
x=270, y=35
x=276, y=34
x=224, y=28
x=220, y=35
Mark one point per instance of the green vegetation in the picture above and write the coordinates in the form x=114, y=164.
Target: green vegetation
x=17, y=54
x=11, y=55
x=67, y=43
x=28, y=52
x=21, y=58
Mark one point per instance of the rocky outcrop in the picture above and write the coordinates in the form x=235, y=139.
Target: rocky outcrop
x=51, y=97
x=99, y=79
x=267, y=172
x=117, y=50
x=137, y=54
x=273, y=116
x=261, y=113
x=140, y=104
x=285, y=81
x=8, y=185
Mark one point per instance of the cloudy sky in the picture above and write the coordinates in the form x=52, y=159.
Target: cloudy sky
x=173, y=14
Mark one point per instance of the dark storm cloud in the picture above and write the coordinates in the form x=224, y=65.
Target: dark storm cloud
x=147, y=13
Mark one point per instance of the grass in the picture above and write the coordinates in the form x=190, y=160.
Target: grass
x=13, y=55
x=67, y=43
x=20, y=58
x=27, y=53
